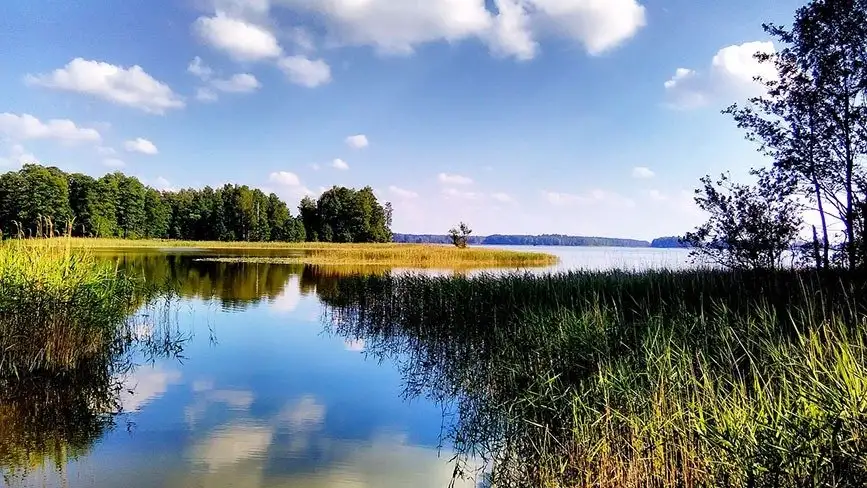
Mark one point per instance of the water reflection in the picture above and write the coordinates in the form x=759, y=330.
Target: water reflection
x=49, y=418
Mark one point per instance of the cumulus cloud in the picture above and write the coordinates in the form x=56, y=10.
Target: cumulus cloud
x=206, y=95
x=358, y=141
x=131, y=87
x=340, y=164
x=454, y=193
x=731, y=75
x=511, y=28
x=198, y=68
x=18, y=156
x=642, y=173
x=304, y=71
x=242, y=40
x=402, y=193
x=454, y=179
x=239, y=83
x=591, y=198
x=26, y=126
x=142, y=146
x=105, y=151
x=285, y=178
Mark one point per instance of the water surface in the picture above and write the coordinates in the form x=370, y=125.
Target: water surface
x=260, y=392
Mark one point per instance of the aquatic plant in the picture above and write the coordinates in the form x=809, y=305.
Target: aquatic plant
x=694, y=379
x=57, y=306
x=393, y=254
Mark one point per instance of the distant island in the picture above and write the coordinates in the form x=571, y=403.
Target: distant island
x=543, y=240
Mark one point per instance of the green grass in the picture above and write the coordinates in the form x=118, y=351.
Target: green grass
x=58, y=306
x=651, y=379
x=393, y=254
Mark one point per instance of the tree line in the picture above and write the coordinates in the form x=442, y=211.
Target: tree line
x=39, y=200
x=811, y=123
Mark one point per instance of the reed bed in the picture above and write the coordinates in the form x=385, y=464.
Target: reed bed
x=617, y=379
x=393, y=254
x=57, y=306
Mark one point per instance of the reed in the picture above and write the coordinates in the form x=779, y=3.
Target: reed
x=393, y=254
x=652, y=379
x=58, y=306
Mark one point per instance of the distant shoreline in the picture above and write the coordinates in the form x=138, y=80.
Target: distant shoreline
x=551, y=240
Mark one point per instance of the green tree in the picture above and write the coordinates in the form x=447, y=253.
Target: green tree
x=812, y=120
x=750, y=227
x=158, y=214
x=309, y=215
x=460, y=236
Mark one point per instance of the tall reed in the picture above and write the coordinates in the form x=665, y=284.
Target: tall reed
x=57, y=306
x=652, y=379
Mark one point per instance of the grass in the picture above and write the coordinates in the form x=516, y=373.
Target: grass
x=57, y=306
x=616, y=379
x=392, y=254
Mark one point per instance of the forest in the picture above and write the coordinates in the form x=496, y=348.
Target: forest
x=39, y=200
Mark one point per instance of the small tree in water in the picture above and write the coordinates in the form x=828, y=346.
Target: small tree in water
x=750, y=227
x=461, y=235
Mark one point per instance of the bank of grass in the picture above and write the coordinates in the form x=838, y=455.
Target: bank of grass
x=58, y=306
x=652, y=379
x=391, y=254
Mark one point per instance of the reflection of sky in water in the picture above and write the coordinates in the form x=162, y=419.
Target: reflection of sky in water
x=272, y=402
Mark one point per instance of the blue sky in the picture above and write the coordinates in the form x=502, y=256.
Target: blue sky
x=591, y=117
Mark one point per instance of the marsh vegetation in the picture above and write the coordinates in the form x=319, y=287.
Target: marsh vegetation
x=696, y=379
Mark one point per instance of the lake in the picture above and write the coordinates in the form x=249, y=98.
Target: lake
x=257, y=390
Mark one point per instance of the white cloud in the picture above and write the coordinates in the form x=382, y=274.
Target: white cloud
x=198, y=68
x=304, y=71
x=113, y=163
x=239, y=83
x=731, y=76
x=402, y=193
x=591, y=198
x=131, y=87
x=642, y=173
x=284, y=178
x=453, y=193
x=163, y=184
x=26, y=126
x=18, y=156
x=657, y=196
x=315, y=166
x=243, y=41
x=340, y=164
x=146, y=385
x=512, y=29
x=206, y=95
x=454, y=179
x=142, y=146
x=105, y=151
x=358, y=141
x=502, y=197
x=232, y=444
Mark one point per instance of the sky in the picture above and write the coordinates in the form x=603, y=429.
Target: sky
x=583, y=117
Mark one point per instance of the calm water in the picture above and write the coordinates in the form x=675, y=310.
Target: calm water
x=259, y=393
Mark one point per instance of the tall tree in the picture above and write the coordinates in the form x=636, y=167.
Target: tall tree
x=813, y=118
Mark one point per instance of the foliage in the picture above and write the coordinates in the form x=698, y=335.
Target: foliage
x=460, y=236
x=39, y=201
x=345, y=215
x=749, y=227
x=812, y=120
x=651, y=379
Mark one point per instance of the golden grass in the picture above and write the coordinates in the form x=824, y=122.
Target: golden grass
x=392, y=254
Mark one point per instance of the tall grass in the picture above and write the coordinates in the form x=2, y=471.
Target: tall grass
x=652, y=379
x=393, y=254
x=57, y=306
